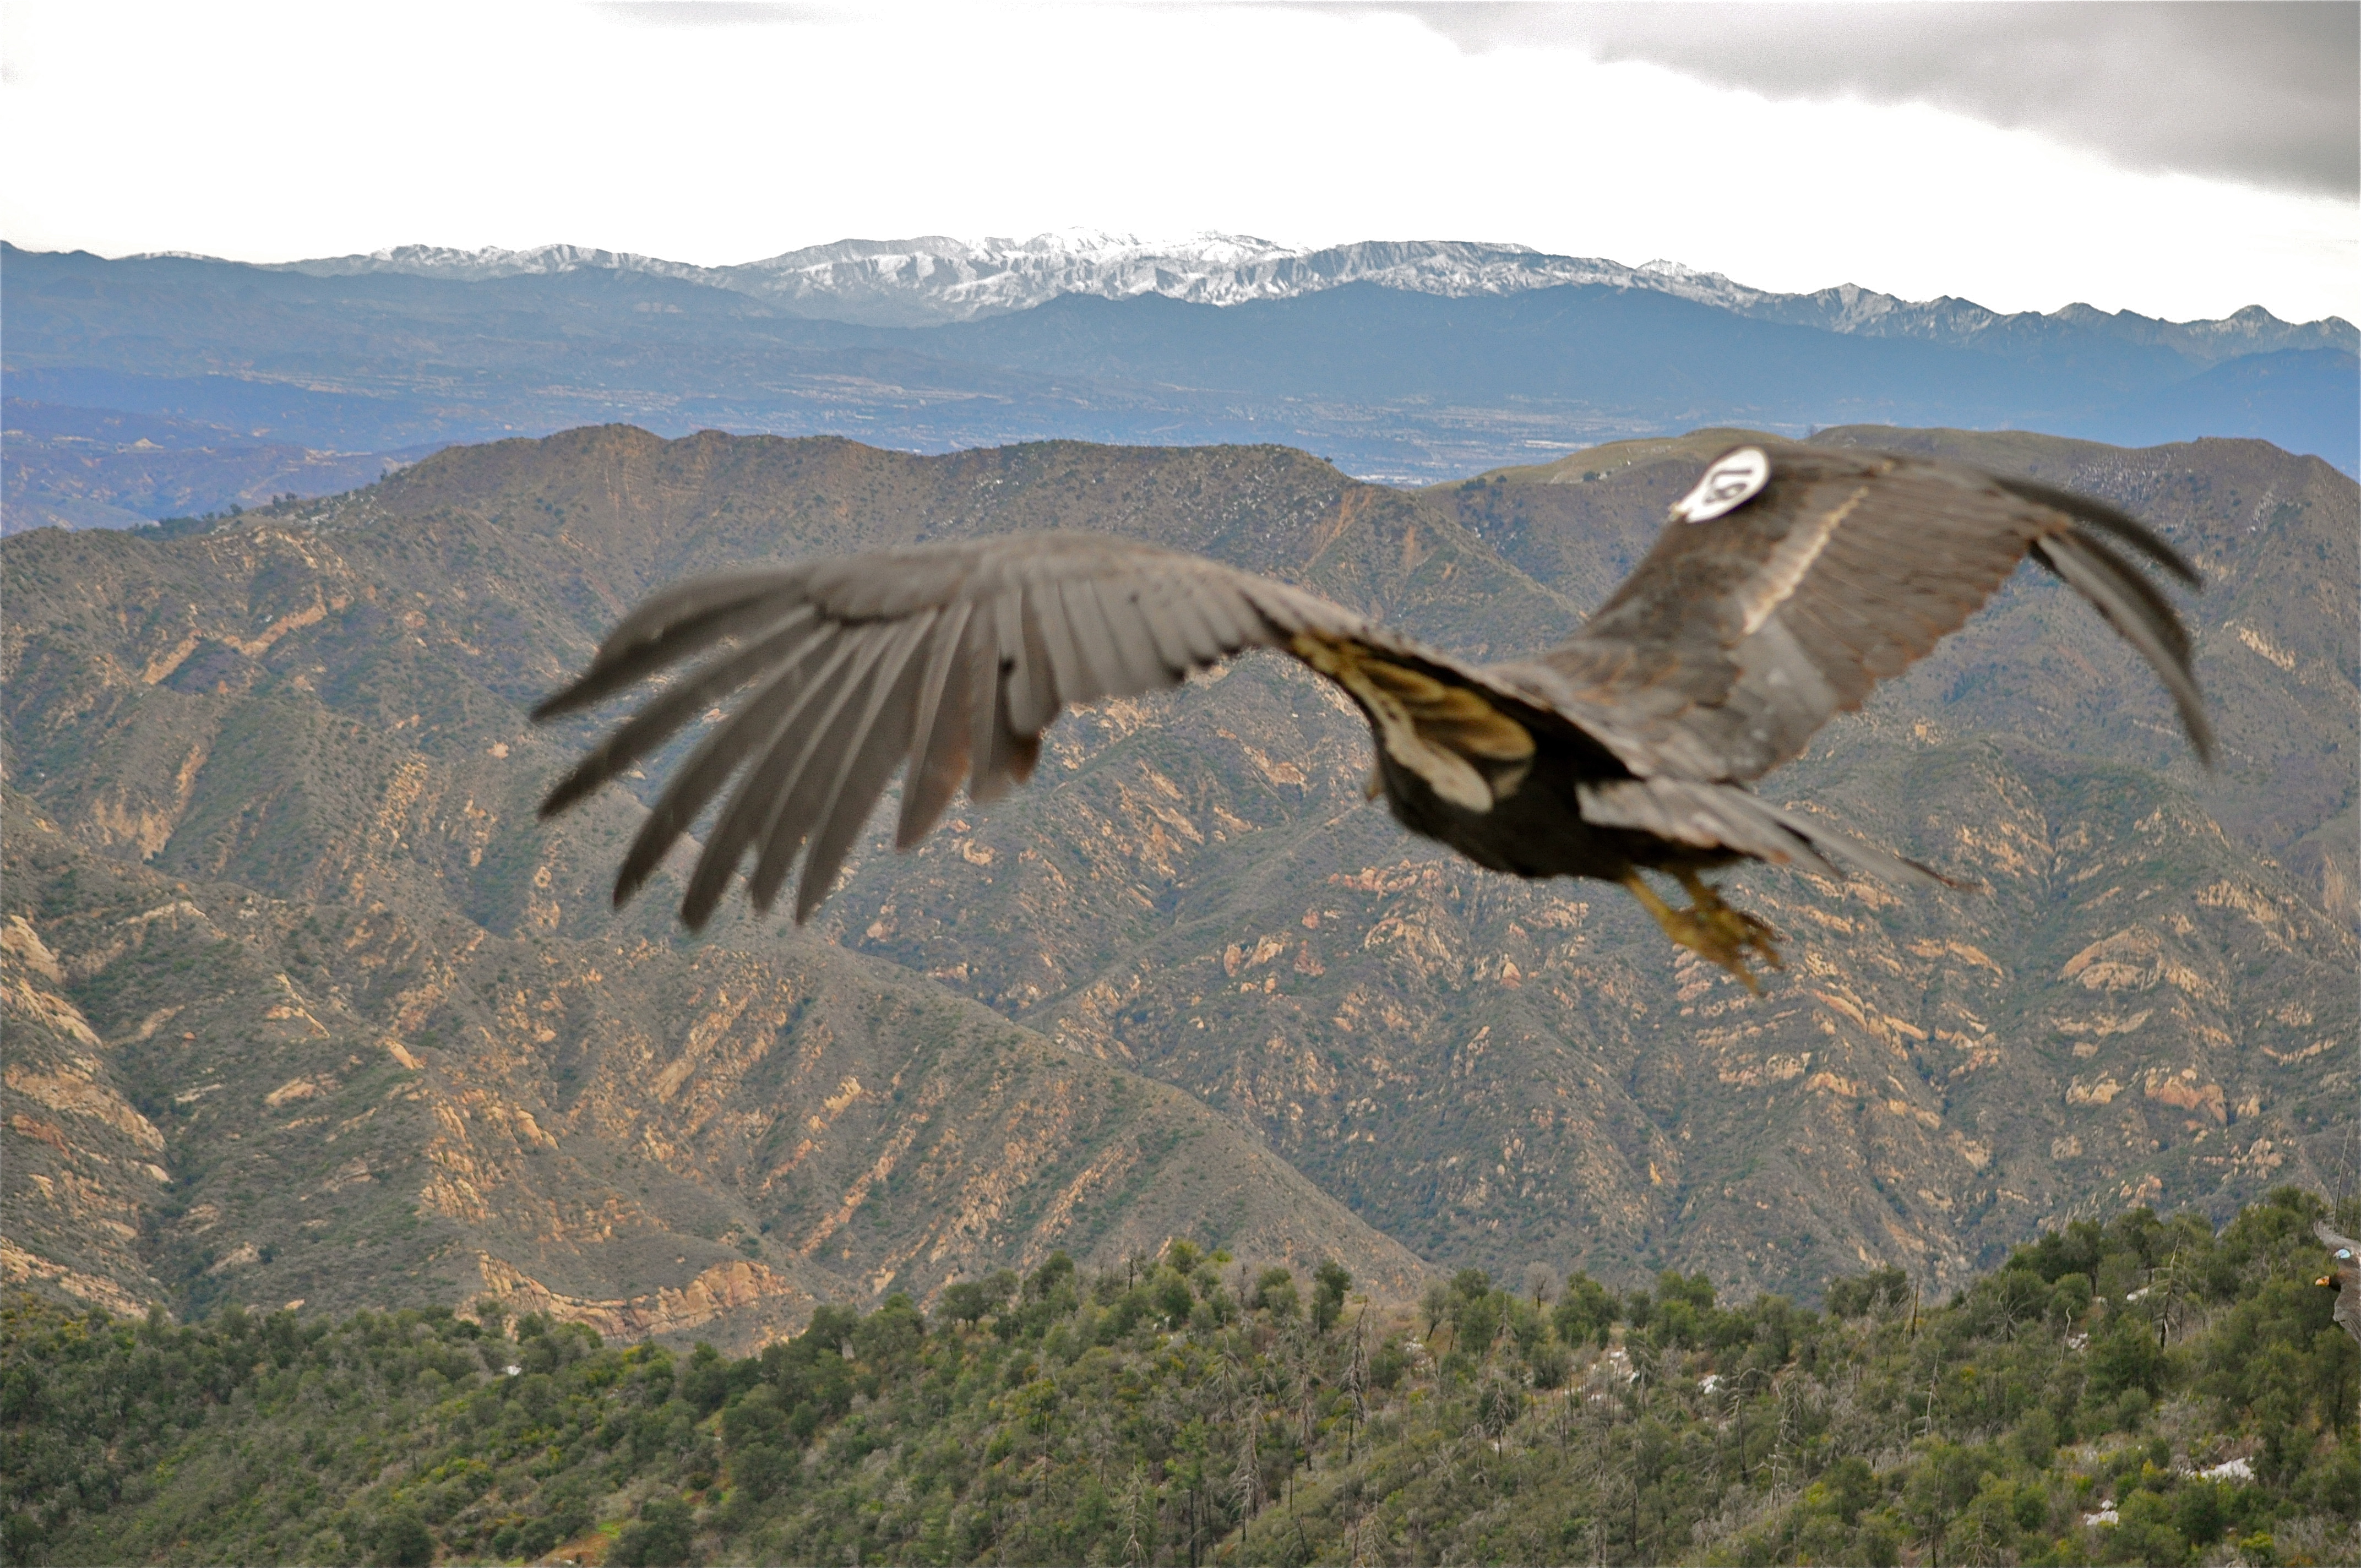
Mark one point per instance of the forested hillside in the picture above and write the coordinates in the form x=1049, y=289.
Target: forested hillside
x=2145, y=1392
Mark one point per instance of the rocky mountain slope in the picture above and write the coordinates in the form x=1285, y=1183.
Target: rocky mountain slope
x=648, y=1141
x=291, y=936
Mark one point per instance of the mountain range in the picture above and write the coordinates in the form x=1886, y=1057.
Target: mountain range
x=305, y=1006
x=176, y=386
x=929, y=281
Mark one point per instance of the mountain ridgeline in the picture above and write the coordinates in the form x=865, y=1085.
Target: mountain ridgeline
x=305, y=1005
x=174, y=386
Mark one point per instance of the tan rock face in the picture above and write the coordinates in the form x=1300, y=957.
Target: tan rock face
x=71, y=1090
x=22, y=943
x=273, y=835
x=19, y=1266
x=77, y=1177
x=740, y=1289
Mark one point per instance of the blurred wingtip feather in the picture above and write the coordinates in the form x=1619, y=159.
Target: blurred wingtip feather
x=2141, y=618
x=2106, y=518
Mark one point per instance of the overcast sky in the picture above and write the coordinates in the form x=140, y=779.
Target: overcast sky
x=2180, y=159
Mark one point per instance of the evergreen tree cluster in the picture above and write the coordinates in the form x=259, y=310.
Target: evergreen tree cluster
x=2147, y=1391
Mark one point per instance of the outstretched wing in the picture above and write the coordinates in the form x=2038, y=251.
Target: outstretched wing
x=952, y=658
x=1745, y=631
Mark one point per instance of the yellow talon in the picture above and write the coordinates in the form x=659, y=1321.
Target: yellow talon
x=1709, y=927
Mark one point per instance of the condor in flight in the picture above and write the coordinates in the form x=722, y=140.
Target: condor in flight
x=1784, y=586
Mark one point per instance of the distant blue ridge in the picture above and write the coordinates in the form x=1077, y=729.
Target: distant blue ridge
x=2304, y=400
x=1390, y=383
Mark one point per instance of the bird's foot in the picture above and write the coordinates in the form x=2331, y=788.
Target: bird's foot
x=1711, y=929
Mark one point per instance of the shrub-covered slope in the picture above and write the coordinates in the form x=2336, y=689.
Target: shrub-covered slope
x=2145, y=1392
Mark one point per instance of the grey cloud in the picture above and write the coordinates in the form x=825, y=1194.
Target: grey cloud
x=2268, y=94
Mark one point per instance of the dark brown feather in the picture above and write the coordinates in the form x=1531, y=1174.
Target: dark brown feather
x=1725, y=664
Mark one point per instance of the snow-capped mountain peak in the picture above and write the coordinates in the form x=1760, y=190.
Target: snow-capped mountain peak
x=936, y=279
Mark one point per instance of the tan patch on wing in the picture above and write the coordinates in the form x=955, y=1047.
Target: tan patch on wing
x=1792, y=556
x=1439, y=732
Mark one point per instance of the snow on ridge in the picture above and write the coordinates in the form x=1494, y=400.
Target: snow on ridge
x=475, y=266
x=906, y=281
x=932, y=279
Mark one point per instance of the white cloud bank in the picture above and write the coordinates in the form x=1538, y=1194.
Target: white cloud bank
x=716, y=134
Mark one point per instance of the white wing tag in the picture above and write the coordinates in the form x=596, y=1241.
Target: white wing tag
x=1734, y=479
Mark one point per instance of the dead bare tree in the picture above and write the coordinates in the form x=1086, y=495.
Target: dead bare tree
x=1246, y=1477
x=1135, y=1551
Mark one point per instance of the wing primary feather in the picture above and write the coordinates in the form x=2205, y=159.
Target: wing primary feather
x=1002, y=757
x=668, y=608
x=1102, y=662
x=1195, y=628
x=1135, y=664
x=1725, y=816
x=1029, y=686
x=793, y=798
x=1883, y=863
x=1165, y=628
x=1742, y=823
x=948, y=659
x=1254, y=626
x=721, y=607
x=1007, y=765
x=1709, y=816
x=837, y=745
x=653, y=725
x=938, y=729
x=2071, y=559
x=1143, y=668
x=926, y=794
x=1218, y=606
x=1047, y=618
x=988, y=705
x=2159, y=613
x=2106, y=518
x=829, y=747
x=871, y=755
x=708, y=768
x=1045, y=693
x=1273, y=608
x=947, y=639
x=786, y=742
